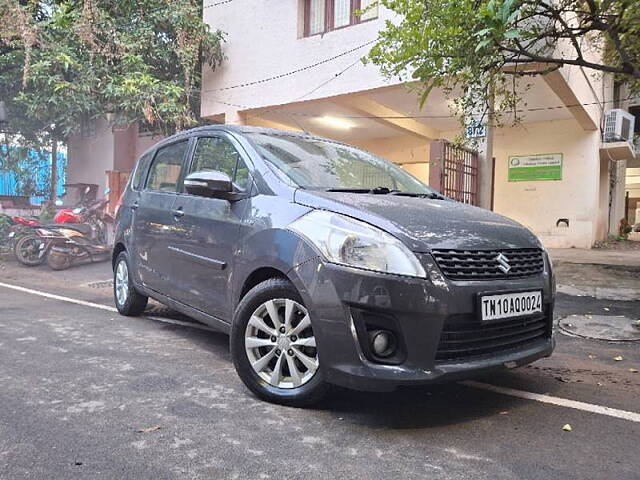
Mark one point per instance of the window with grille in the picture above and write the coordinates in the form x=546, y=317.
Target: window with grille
x=321, y=16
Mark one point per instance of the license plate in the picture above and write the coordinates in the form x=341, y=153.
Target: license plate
x=508, y=305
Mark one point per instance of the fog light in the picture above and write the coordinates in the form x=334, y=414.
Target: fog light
x=383, y=343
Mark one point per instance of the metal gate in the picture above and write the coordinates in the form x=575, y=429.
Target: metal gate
x=453, y=171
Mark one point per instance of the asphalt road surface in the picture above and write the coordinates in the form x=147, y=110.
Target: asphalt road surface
x=86, y=393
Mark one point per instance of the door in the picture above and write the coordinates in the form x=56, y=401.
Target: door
x=153, y=224
x=208, y=230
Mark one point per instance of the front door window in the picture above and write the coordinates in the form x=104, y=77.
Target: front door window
x=217, y=154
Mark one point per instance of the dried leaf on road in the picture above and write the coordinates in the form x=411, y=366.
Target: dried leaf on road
x=618, y=358
x=567, y=428
x=149, y=429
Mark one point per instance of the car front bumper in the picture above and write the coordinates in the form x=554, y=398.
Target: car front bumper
x=343, y=302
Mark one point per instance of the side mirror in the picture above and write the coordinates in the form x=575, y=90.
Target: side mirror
x=209, y=184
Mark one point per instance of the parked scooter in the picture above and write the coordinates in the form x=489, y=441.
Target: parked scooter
x=84, y=226
x=77, y=249
x=31, y=249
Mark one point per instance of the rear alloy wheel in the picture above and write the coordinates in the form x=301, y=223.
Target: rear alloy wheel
x=129, y=301
x=274, y=347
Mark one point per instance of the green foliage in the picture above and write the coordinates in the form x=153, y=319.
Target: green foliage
x=480, y=49
x=63, y=62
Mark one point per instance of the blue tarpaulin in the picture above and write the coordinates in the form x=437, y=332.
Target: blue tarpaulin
x=39, y=164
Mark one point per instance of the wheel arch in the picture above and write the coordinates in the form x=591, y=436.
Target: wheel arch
x=118, y=248
x=258, y=276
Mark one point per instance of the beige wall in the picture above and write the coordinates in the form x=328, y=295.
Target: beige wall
x=266, y=40
x=538, y=205
x=90, y=158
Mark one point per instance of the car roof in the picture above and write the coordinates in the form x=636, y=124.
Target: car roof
x=241, y=129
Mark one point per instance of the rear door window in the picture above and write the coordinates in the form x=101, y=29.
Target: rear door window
x=164, y=174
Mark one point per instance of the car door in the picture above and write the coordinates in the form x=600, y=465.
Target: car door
x=153, y=221
x=208, y=229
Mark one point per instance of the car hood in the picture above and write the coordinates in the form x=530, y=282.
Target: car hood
x=425, y=224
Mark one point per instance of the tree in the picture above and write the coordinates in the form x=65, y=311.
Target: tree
x=479, y=50
x=66, y=62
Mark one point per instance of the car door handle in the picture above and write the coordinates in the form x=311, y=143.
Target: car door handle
x=178, y=213
x=134, y=206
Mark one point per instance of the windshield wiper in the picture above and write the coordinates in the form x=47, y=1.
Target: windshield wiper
x=374, y=190
x=432, y=196
x=388, y=191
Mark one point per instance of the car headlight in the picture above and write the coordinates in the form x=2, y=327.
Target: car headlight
x=347, y=241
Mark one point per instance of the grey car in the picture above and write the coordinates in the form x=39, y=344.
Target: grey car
x=327, y=265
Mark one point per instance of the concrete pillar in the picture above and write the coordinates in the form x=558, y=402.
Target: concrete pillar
x=124, y=148
x=485, y=160
x=618, y=186
x=485, y=170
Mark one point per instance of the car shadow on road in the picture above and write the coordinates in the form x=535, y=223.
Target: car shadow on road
x=418, y=407
x=406, y=408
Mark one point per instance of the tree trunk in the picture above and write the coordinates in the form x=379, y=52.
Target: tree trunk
x=54, y=169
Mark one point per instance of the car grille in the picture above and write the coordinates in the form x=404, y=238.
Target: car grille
x=469, y=339
x=486, y=265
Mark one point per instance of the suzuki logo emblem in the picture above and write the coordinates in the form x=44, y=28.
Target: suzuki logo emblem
x=503, y=263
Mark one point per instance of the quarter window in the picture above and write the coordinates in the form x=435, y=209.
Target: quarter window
x=321, y=16
x=141, y=166
x=217, y=154
x=167, y=165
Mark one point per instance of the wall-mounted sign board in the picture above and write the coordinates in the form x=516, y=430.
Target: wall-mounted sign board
x=533, y=168
x=476, y=130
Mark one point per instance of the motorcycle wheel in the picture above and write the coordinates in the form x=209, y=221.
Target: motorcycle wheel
x=58, y=260
x=29, y=252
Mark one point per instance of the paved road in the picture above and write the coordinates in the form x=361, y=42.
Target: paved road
x=78, y=383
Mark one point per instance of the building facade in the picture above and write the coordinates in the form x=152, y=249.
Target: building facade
x=295, y=64
x=98, y=150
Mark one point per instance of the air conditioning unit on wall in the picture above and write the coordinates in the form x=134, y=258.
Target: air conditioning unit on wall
x=618, y=126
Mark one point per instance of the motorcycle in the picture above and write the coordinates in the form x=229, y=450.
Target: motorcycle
x=76, y=249
x=83, y=227
x=33, y=249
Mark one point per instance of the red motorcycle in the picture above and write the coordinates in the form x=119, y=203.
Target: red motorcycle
x=83, y=225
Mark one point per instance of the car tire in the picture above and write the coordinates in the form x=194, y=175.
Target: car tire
x=305, y=385
x=23, y=257
x=128, y=300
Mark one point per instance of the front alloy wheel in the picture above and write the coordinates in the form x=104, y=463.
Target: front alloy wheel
x=273, y=345
x=280, y=344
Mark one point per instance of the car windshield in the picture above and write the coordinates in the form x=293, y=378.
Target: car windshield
x=311, y=163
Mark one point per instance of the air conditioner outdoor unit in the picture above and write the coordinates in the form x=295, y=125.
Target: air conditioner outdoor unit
x=618, y=126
